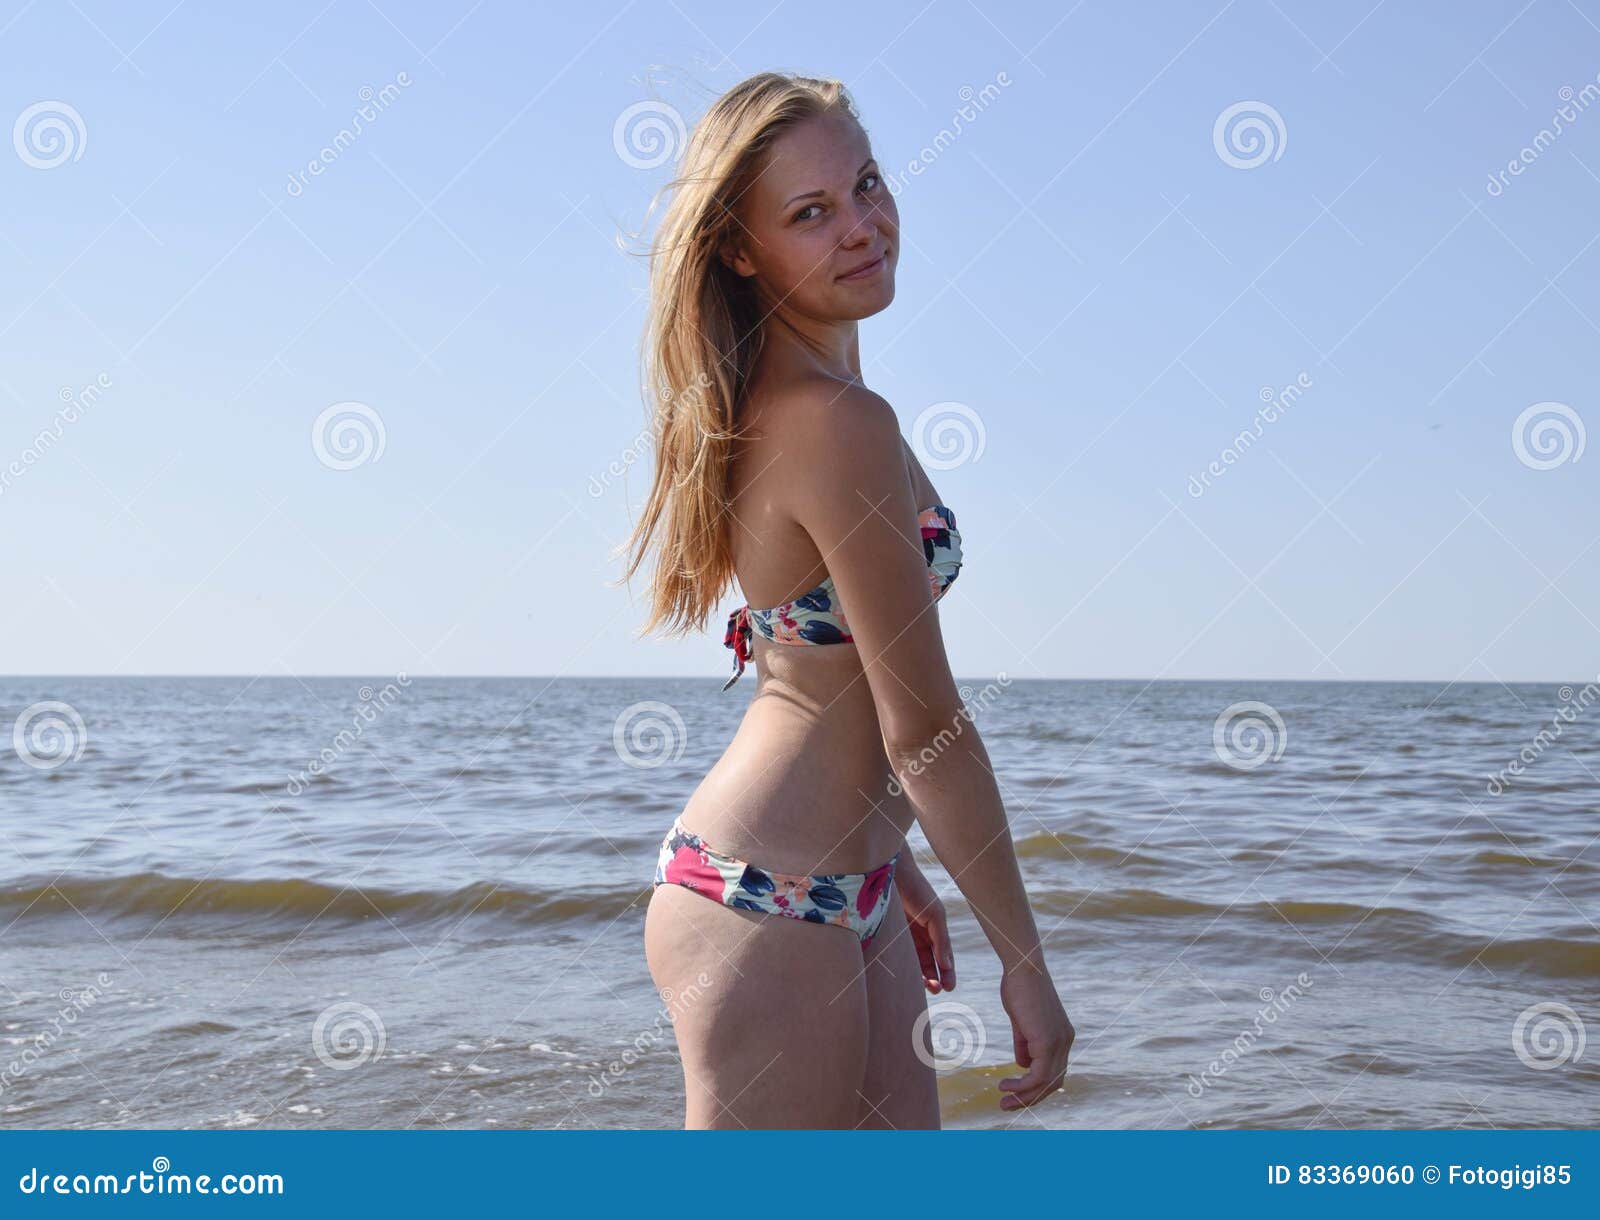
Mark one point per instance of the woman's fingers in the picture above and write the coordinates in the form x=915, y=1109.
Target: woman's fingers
x=943, y=951
x=930, y=933
x=1046, y=1073
x=926, y=955
x=1032, y=1086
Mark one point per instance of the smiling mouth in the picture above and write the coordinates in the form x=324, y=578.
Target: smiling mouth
x=869, y=270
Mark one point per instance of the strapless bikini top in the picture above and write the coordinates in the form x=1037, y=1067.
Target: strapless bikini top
x=817, y=618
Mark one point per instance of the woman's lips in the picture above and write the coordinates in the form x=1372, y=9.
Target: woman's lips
x=867, y=272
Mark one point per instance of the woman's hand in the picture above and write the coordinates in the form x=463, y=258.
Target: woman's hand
x=930, y=931
x=1041, y=1035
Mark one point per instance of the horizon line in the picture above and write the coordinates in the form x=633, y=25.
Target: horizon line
x=719, y=678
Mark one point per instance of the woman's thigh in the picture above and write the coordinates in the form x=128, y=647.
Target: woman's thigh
x=770, y=1013
x=901, y=1088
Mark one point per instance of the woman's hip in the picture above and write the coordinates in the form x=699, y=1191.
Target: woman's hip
x=856, y=901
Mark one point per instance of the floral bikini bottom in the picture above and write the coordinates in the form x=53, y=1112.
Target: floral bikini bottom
x=857, y=901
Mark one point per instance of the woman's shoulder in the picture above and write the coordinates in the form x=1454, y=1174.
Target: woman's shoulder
x=820, y=438
x=825, y=412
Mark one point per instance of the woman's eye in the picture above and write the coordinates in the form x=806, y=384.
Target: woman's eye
x=801, y=214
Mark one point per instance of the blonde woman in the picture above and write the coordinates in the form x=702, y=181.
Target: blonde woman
x=797, y=988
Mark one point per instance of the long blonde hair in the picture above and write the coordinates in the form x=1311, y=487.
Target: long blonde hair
x=702, y=338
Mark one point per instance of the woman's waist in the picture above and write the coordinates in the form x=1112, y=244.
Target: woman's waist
x=803, y=810
x=829, y=750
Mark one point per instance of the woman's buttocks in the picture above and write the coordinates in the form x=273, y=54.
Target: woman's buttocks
x=804, y=786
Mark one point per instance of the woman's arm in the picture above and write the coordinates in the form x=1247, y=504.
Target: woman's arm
x=930, y=927
x=860, y=511
x=856, y=502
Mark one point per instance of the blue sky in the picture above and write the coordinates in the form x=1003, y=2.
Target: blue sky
x=1102, y=281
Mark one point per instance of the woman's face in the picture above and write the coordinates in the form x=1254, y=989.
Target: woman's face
x=817, y=214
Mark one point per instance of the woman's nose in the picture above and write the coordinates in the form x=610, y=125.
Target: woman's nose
x=865, y=228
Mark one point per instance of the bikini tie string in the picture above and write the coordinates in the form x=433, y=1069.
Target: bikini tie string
x=737, y=638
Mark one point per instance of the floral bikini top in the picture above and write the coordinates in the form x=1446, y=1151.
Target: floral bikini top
x=817, y=618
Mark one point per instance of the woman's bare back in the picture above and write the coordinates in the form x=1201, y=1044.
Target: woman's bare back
x=804, y=786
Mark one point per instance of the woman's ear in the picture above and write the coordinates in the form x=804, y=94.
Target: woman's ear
x=734, y=259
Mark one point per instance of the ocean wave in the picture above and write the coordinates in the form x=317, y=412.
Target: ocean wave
x=1372, y=932
x=1081, y=849
x=158, y=896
